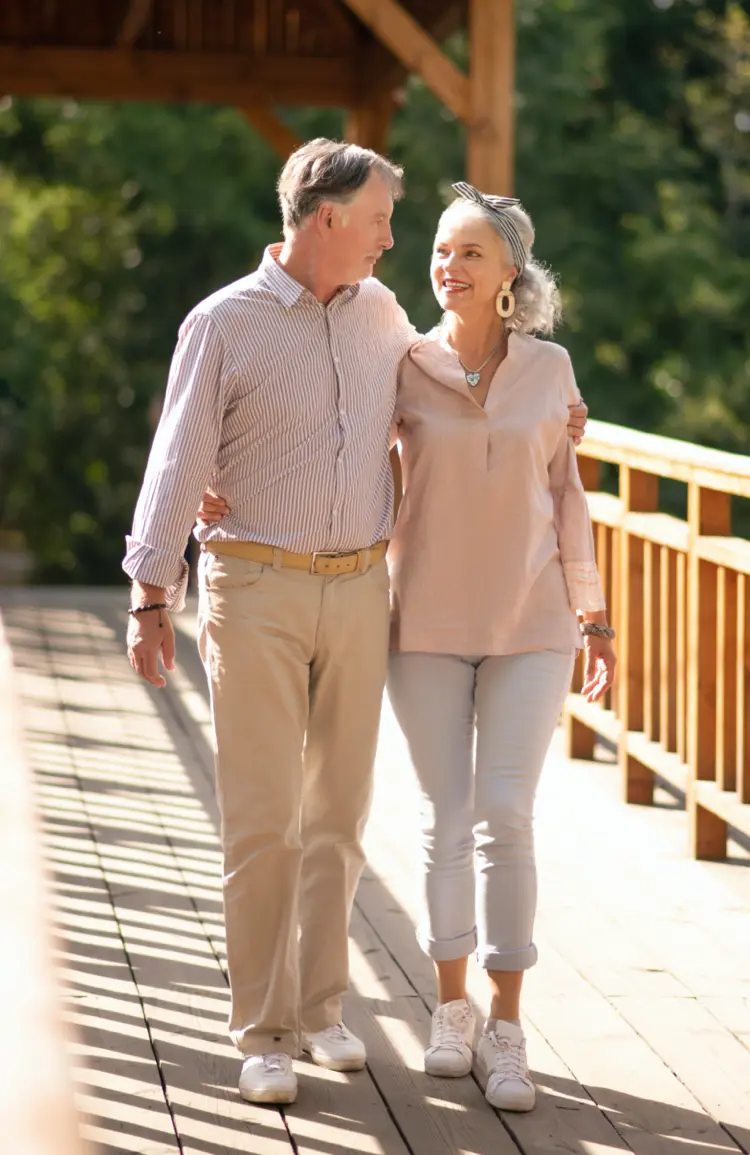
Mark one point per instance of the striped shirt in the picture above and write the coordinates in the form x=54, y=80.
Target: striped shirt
x=283, y=405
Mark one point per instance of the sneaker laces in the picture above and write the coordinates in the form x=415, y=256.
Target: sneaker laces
x=510, y=1058
x=274, y=1063
x=449, y=1029
x=337, y=1033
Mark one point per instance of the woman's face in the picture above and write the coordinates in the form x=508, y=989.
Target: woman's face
x=469, y=263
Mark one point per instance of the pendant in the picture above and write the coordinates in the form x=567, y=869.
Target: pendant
x=472, y=380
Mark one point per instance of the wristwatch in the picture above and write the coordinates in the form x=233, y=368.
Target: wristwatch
x=593, y=629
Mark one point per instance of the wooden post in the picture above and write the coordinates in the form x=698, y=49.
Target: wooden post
x=726, y=679
x=743, y=688
x=369, y=124
x=652, y=642
x=491, y=86
x=668, y=641
x=709, y=513
x=640, y=493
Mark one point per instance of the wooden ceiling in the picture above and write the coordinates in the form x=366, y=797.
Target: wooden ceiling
x=226, y=51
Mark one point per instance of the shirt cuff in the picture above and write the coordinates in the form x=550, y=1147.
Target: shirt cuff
x=584, y=587
x=156, y=567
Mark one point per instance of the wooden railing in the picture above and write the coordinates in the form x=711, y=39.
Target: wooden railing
x=679, y=596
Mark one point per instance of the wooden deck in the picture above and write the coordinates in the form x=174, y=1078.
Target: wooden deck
x=638, y=1014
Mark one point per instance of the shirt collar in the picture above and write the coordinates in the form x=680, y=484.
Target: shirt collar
x=286, y=288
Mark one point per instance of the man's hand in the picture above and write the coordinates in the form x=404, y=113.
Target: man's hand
x=212, y=508
x=577, y=421
x=150, y=634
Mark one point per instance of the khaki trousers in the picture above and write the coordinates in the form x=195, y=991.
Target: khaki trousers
x=296, y=665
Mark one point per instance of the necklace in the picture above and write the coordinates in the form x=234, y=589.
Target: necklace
x=473, y=375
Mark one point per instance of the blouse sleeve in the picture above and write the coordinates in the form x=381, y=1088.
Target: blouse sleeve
x=572, y=519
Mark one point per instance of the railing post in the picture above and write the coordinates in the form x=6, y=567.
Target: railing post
x=743, y=688
x=640, y=494
x=709, y=514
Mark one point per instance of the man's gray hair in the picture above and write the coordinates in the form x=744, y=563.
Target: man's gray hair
x=329, y=170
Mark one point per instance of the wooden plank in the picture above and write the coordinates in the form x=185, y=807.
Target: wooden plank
x=682, y=667
x=639, y=493
x=417, y=50
x=114, y=1067
x=668, y=648
x=731, y=552
x=605, y=509
x=273, y=130
x=135, y=20
x=724, y=804
x=221, y=77
x=726, y=677
x=153, y=893
x=36, y=1093
x=717, y=1072
x=652, y=635
x=709, y=513
x=652, y=754
x=667, y=457
x=659, y=528
x=589, y=471
x=743, y=688
x=490, y=145
x=261, y=23
x=592, y=715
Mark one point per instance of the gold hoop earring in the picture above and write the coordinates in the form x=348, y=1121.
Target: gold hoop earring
x=505, y=301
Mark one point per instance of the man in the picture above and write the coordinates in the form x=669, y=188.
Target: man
x=280, y=396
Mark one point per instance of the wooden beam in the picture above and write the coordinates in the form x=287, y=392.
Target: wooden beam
x=417, y=50
x=492, y=87
x=216, y=77
x=273, y=130
x=384, y=73
x=135, y=21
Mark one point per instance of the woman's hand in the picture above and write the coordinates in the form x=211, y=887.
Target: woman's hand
x=599, y=670
x=212, y=508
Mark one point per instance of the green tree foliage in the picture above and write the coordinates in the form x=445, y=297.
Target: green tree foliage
x=633, y=143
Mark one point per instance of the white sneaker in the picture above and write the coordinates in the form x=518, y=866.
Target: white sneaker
x=268, y=1079
x=336, y=1048
x=451, y=1039
x=502, y=1054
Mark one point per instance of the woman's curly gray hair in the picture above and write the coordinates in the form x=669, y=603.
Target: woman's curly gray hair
x=538, y=304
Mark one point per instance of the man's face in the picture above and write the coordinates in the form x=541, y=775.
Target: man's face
x=360, y=232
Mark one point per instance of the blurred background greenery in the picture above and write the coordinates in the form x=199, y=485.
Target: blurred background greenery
x=633, y=156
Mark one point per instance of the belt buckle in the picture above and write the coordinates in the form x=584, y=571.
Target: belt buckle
x=325, y=556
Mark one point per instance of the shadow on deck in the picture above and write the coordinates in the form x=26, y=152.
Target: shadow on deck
x=638, y=1015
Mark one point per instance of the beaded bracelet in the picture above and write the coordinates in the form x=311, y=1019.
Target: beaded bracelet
x=134, y=610
x=593, y=629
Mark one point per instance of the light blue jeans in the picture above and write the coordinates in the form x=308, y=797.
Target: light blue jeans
x=478, y=730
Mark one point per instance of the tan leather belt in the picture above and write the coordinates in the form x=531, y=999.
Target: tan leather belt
x=317, y=563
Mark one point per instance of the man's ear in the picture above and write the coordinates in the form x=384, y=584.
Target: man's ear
x=324, y=216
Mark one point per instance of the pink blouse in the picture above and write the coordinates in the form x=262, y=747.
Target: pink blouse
x=493, y=550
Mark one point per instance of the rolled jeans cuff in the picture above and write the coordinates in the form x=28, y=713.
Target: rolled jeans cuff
x=508, y=960
x=447, y=949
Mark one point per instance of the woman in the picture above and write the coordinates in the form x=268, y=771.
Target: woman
x=491, y=560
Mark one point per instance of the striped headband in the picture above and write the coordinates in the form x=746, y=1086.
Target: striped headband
x=498, y=206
